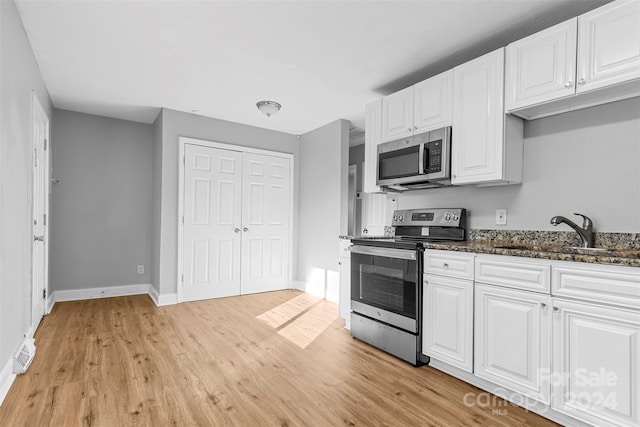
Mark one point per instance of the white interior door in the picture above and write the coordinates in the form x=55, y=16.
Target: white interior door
x=212, y=233
x=40, y=212
x=266, y=207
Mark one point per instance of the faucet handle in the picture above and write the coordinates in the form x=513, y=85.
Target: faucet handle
x=586, y=221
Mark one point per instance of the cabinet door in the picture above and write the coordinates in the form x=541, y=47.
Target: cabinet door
x=541, y=67
x=344, y=263
x=596, y=361
x=512, y=340
x=372, y=135
x=376, y=213
x=397, y=115
x=478, y=120
x=432, y=108
x=609, y=45
x=448, y=320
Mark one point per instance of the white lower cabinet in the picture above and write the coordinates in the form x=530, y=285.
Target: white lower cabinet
x=596, y=361
x=344, y=264
x=512, y=340
x=448, y=320
x=561, y=338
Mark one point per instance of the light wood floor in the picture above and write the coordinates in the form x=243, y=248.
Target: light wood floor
x=274, y=359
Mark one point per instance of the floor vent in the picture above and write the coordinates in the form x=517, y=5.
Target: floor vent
x=24, y=358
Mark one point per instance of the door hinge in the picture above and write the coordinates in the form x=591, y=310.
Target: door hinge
x=44, y=294
x=45, y=219
x=45, y=145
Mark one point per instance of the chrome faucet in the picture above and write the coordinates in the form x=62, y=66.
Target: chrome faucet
x=585, y=232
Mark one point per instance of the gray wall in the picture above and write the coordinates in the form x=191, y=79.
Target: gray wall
x=101, y=208
x=323, y=210
x=19, y=78
x=176, y=124
x=584, y=161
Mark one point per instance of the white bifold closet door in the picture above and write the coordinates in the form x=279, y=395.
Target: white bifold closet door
x=266, y=207
x=236, y=232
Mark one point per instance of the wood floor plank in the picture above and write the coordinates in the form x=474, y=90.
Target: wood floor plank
x=226, y=362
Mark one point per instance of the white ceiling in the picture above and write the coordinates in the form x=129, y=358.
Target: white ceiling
x=322, y=60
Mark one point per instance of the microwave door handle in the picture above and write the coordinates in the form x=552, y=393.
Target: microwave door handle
x=421, y=160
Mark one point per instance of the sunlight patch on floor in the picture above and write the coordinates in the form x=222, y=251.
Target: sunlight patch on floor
x=306, y=328
x=286, y=312
x=301, y=319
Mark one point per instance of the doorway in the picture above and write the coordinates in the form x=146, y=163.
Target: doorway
x=40, y=214
x=235, y=230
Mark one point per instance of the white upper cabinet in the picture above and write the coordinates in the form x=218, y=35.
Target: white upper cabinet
x=542, y=67
x=609, y=45
x=432, y=106
x=487, y=145
x=588, y=60
x=372, y=136
x=417, y=109
x=397, y=115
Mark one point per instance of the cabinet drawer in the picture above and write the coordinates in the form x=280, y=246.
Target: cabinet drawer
x=448, y=263
x=514, y=272
x=604, y=284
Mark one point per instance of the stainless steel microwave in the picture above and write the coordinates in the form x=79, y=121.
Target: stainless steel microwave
x=415, y=162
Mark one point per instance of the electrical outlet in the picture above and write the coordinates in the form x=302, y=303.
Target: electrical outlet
x=501, y=217
x=141, y=269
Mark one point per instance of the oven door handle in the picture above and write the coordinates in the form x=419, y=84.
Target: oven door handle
x=384, y=252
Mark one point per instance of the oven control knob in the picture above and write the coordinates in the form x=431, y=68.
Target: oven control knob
x=455, y=217
x=447, y=217
x=395, y=217
x=401, y=218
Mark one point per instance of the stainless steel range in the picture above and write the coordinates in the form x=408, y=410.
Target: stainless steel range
x=386, y=280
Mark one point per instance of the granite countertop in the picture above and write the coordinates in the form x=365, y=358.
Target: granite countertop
x=611, y=248
x=630, y=257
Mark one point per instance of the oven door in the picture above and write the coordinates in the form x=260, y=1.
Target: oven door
x=385, y=285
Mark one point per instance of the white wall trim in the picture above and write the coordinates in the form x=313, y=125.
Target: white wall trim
x=112, y=291
x=6, y=379
x=182, y=141
x=105, y=292
x=167, y=299
x=153, y=293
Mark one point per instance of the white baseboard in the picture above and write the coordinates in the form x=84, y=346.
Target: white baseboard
x=6, y=379
x=164, y=299
x=112, y=291
x=167, y=299
x=153, y=293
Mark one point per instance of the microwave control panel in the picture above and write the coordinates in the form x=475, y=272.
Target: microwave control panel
x=433, y=156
